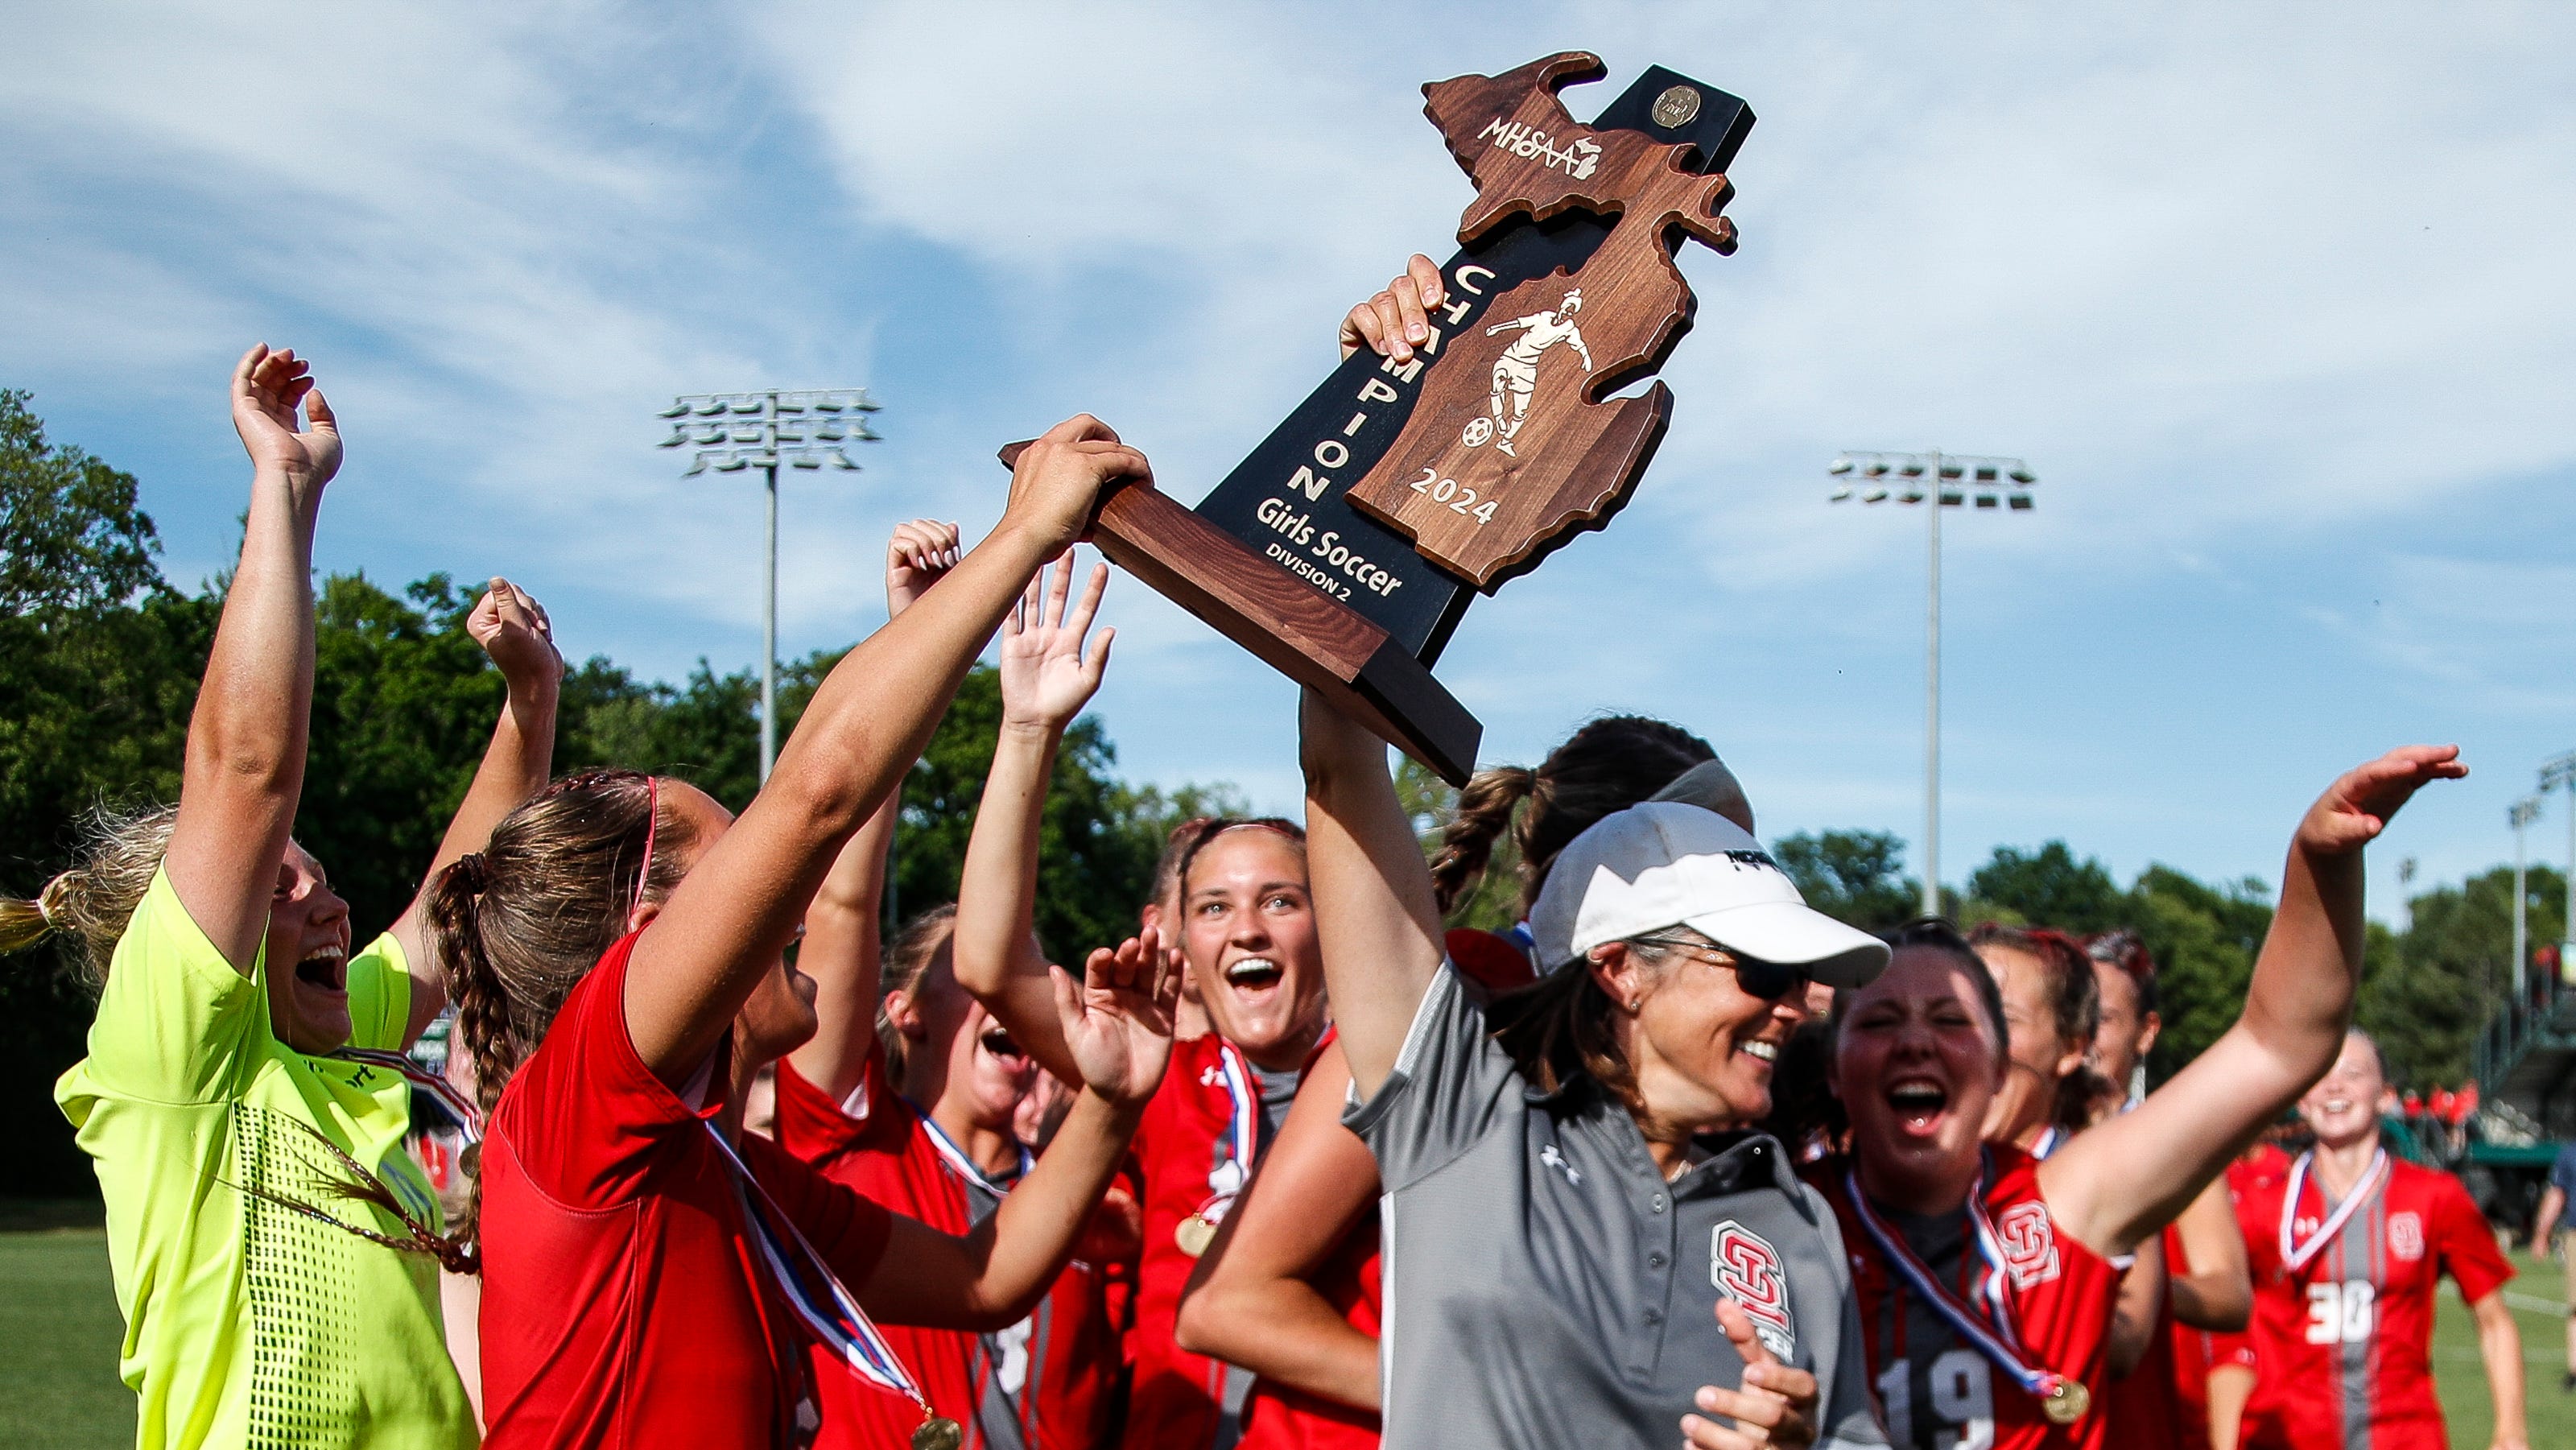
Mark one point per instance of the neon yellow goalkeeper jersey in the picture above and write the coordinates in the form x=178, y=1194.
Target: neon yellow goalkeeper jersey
x=246, y=1322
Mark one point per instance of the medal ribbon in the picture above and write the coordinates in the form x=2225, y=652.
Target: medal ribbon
x=2295, y=1255
x=2000, y=1341
x=2048, y=1142
x=967, y=1168
x=458, y=1105
x=820, y=1301
x=1243, y=1110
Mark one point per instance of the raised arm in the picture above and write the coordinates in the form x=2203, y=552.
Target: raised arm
x=1374, y=916
x=739, y=907
x=1118, y=1025
x=513, y=629
x=1048, y=674
x=843, y=946
x=2114, y=1185
x=245, y=762
x=1252, y=1300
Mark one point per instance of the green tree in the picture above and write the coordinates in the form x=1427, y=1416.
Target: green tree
x=71, y=535
x=2050, y=887
x=2203, y=939
x=2427, y=993
x=1855, y=877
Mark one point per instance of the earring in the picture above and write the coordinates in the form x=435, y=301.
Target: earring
x=1633, y=1001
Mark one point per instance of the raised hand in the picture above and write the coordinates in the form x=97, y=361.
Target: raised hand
x=1397, y=320
x=1048, y=671
x=267, y=389
x=1777, y=1405
x=513, y=629
x=1118, y=1019
x=2357, y=807
x=921, y=551
x=1057, y=479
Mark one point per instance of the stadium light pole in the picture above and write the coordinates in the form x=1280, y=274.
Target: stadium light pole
x=2520, y=814
x=797, y=427
x=2560, y=774
x=1926, y=478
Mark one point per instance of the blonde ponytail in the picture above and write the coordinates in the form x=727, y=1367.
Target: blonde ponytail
x=92, y=902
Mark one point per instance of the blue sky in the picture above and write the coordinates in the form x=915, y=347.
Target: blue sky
x=2274, y=298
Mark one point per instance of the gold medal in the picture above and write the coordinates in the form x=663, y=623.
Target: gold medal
x=1194, y=1235
x=2064, y=1404
x=938, y=1433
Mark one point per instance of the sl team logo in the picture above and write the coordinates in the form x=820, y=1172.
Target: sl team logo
x=1745, y=1268
x=2030, y=1245
x=2406, y=1236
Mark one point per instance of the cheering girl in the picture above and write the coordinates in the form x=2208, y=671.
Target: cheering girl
x=651, y=1276
x=1245, y=932
x=920, y=1118
x=2348, y=1251
x=1987, y=1277
x=245, y=1097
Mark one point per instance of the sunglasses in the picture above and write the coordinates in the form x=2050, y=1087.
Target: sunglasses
x=1769, y=981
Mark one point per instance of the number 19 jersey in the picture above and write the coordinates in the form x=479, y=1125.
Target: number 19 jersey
x=2345, y=1340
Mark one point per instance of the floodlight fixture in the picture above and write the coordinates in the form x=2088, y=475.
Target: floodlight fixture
x=765, y=429
x=1927, y=478
x=2518, y=815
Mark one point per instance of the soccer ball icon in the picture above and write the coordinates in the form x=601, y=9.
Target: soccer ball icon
x=1477, y=432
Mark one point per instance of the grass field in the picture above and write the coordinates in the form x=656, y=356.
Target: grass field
x=58, y=1321
x=59, y=1391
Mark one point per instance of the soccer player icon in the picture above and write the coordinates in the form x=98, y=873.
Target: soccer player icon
x=1516, y=371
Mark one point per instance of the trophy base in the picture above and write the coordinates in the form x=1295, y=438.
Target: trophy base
x=1317, y=641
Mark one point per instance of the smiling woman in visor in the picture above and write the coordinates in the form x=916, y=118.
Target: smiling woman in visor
x=1580, y=1232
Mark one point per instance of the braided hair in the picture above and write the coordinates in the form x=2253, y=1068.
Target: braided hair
x=517, y=925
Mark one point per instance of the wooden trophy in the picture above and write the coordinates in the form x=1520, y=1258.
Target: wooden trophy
x=1344, y=549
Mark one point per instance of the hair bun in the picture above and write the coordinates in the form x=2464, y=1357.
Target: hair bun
x=473, y=872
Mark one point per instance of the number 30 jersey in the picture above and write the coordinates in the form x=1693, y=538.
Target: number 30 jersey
x=2344, y=1342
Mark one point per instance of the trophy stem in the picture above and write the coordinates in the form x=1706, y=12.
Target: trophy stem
x=1315, y=640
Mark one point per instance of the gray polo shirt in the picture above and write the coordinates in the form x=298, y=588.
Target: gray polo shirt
x=1546, y=1288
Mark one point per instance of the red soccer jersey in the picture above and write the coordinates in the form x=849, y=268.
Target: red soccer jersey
x=1051, y=1375
x=1929, y=1383
x=622, y=1303
x=1177, y=1166
x=2345, y=1341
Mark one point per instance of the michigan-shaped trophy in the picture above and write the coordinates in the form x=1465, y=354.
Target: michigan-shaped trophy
x=1344, y=549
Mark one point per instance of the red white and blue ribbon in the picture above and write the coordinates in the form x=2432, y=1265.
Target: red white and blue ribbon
x=2295, y=1254
x=1995, y=1334
x=967, y=1168
x=826, y=1307
x=468, y=1117
x=1243, y=1119
x=2048, y=1141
